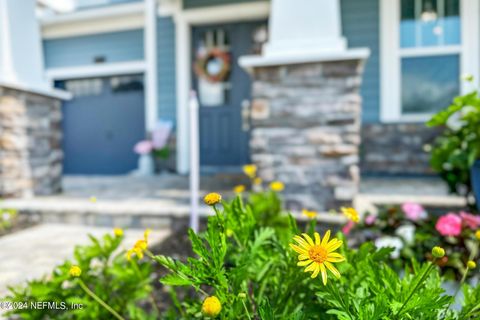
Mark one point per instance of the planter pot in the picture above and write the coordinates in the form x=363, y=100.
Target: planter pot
x=475, y=177
x=146, y=165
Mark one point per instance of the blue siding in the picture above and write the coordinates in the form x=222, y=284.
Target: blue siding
x=166, y=68
x=82, y=50
x=360, y=23
x=187, y=4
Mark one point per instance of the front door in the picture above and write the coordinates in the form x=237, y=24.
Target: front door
x=102, y=123
x=223, y=89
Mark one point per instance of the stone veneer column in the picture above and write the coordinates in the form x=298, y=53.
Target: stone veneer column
x=306, y=130
x=30, y=144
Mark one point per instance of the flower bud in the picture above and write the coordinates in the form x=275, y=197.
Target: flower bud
x=242, y=295
x=438, y=252
x=118, y=232
x=471, y=264
x=211, y=307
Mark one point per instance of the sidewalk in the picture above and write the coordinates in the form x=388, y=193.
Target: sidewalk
x=34, y=252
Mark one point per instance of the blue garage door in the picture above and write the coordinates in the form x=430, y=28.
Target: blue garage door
x=102, y=123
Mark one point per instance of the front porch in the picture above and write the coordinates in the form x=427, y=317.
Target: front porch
x=163, y=201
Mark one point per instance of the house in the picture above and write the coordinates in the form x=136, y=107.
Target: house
x=104, y=52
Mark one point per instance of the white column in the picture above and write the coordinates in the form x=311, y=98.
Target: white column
x=183, y=78
x=21, y=56
x=470, y=14
x=304, y=27
x=150, y=45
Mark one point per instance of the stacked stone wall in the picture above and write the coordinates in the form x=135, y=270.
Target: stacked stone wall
x=30, y=144
x=306, y=130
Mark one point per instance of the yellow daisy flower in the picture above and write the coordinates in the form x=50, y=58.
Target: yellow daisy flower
x=239, y=189
x=75, y=271
x=257, y=181
x=277, y=186
x=318, y=256
x=250, y=170
x=351, y=214
x=212, y=199
x=309, y=214
x=477, y=234
x=140, y=246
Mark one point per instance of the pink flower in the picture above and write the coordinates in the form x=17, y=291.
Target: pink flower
x=143, y=147
x=470, y=220
x=348, y=227
x=449, y=225
x=370, y=219
x=414, y=211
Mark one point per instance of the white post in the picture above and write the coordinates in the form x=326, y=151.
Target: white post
x=194, y=161
x=150, y=40
x=21, y=56
x=183, y=79
x=302, y=27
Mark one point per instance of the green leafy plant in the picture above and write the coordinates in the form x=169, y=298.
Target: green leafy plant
x=126, y=286
x=244, y=267
x=254, y=273
x=458, y=147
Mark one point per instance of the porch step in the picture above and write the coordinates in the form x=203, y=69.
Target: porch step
x=34, y=252
x=431, y=192
x=144, y=213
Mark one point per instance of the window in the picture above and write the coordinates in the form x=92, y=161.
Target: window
x=423, y=55
x=121, y=84
x=84, y=87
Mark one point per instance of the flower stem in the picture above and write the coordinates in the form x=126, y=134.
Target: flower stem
x=464, y=277
x=139, y=275
x=246, y=309
x=424, y=276
x=100, y=301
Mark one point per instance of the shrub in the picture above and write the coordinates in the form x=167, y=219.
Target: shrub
x=125, y=285
x=458, y=147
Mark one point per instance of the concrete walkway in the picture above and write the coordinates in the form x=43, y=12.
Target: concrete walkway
x=34, y=252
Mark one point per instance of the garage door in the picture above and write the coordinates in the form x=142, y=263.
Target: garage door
x=102, y=123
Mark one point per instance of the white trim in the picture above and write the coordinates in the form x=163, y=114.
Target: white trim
x=184, y=20
x=97, y=70
x=391, y=54
x=389, y=61
x=93, y=21
x=151, y=81
x=65, y=30
x=94, y=13
x=53, y=93
x=227, y=13
x=430, y=51
x=264, y=61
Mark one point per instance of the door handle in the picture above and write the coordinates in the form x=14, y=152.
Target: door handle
x=246, y=115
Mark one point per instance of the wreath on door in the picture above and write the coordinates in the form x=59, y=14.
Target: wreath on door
x=213, y=66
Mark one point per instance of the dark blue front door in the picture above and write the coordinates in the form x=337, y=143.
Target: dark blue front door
x=102, y=123
x=224, y=127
